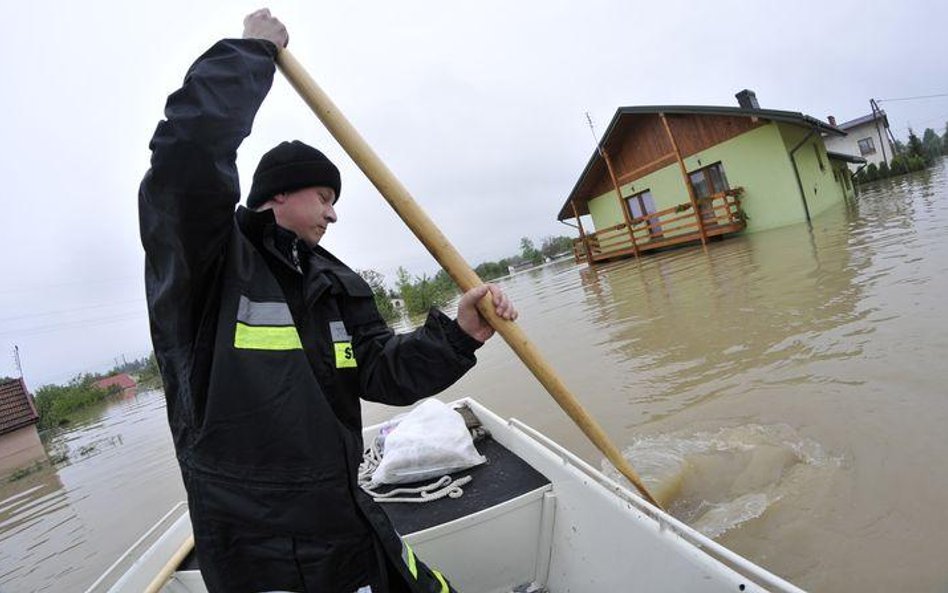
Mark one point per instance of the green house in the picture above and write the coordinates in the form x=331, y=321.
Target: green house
x=668, y=175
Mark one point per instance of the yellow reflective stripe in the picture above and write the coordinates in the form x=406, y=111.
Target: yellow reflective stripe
x=345, y=358
x=444, y=585
x=412, y=568
x=251, y=337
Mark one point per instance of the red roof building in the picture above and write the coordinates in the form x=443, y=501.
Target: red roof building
x=123, y=381
x=16, y=406
x=20, y=444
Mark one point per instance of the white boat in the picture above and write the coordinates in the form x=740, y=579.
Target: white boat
x=536, y=517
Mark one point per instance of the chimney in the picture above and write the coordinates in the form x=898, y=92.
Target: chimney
x=832, y=120
x=747, y=99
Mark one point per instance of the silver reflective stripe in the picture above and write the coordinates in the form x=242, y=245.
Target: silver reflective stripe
x=263, y=313
x=339, y=333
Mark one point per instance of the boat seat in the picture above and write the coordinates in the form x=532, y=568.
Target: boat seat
x=504, y=477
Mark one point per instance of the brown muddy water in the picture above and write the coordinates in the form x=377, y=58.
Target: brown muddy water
x=784, y=392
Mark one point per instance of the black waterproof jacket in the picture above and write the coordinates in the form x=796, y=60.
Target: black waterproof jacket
x=265, y=347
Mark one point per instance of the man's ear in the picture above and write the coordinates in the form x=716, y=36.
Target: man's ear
x=279, y=198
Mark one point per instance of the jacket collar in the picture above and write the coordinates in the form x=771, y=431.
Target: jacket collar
x=263, y=231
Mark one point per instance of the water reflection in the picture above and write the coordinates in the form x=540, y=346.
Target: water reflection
x=60, y=528
x=688, y=326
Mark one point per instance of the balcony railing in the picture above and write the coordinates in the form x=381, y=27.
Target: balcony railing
x=721, y=213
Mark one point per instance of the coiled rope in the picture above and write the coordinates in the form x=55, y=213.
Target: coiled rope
x=443, y=487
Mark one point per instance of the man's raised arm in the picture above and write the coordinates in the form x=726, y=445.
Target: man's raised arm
x=187, y=198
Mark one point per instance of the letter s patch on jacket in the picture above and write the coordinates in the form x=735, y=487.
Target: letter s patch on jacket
x=265, y=326
x=342, y=345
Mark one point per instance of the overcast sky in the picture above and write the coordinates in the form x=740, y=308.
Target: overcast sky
x=477, y=107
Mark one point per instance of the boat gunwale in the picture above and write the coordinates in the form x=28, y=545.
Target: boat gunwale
x=729, y=558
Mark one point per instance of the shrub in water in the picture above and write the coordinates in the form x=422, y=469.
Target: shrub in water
x=872, y=172
x=898, y=166
x=883, y=170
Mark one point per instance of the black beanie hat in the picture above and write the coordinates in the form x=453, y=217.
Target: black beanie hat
x=291, y=166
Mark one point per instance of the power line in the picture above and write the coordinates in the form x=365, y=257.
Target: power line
x=913, y=98
x=72, y=310
x=44, y=329
x=37, y=287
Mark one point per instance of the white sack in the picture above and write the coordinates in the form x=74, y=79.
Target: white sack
x=429, y=442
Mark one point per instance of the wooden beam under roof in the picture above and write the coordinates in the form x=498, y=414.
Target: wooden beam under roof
x=687, y=179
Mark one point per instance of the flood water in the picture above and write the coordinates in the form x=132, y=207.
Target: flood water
x=784, y=392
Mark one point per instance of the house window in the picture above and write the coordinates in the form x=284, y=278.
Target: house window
x=709, y=180
x=706, y=182
x=866, y=146
x=641, y=204
x=819, y=158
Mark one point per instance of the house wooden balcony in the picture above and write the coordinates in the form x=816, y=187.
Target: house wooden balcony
x=721, y=214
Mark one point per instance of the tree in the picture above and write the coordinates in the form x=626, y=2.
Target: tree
x=944, y=140
x=421, y=293
x=492, y=270
x=530, y=253
x=376, y=282
x=150, y=375
x=915, y=147
x=553, y=246
x=931, y=144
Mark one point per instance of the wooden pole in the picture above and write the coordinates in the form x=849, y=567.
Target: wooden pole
x=684, y=174
x=582, y=233
x=171, y=566
x=449, y=258
x=622, y=205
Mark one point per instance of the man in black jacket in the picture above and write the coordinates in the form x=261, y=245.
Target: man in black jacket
x=266, y=342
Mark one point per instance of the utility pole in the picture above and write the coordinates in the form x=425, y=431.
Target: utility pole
x=16, y=358
x=876, y=114
x=592, y=130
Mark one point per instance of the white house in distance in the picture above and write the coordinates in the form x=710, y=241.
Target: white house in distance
x=867, y=136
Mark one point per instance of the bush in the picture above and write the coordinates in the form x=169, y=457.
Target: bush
x=150, y=376
x=916, y=163
x=861, y=176
x=884, y=170
x=421, y=293
x=872, y=172
x=899, y=166
x=55, y=403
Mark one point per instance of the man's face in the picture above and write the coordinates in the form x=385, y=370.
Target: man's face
x=307, y=212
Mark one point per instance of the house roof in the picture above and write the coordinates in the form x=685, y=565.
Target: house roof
x=121, y=380
x=865, y=120
x=16, y=406
x=791, y=117
x=848, y=158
